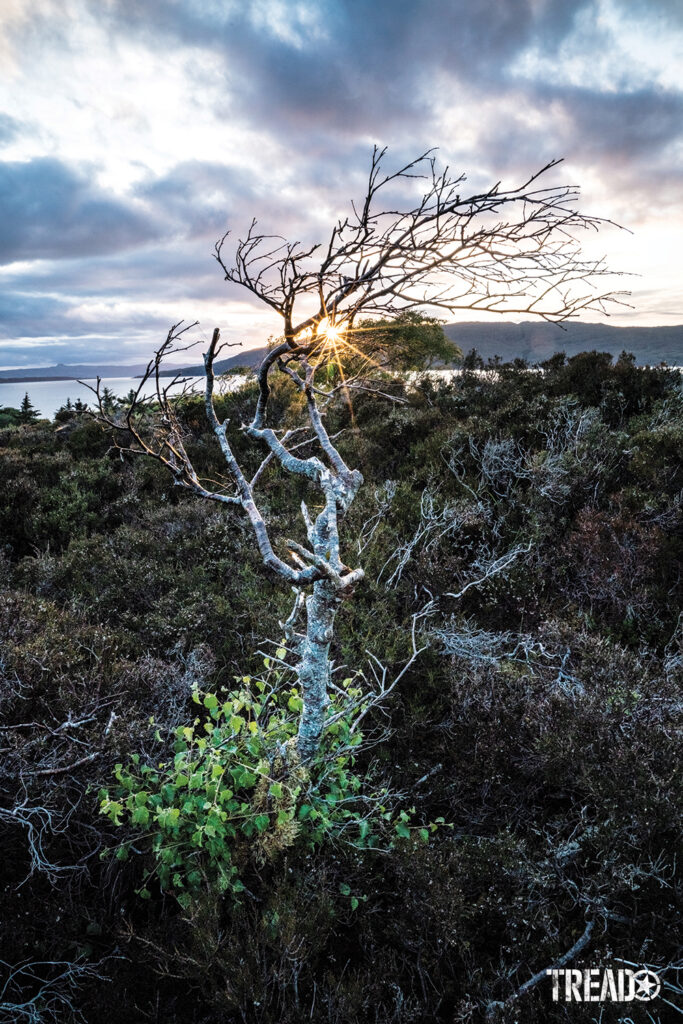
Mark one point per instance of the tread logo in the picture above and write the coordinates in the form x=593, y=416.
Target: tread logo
x=598, y=985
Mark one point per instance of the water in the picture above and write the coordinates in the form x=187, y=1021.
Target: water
x=48, y=396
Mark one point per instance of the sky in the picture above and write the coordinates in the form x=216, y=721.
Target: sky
x=134, y=134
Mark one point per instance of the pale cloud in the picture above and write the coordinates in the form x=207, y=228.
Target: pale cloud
x=123, y=107
x=23, y=343
x=611, y=48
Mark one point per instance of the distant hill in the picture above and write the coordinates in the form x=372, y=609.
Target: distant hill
x=537, y=341
x=249, y=357
x=533, y=341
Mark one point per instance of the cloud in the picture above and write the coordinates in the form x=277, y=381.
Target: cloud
x=49, y=210
x=521, y=82
x=636, y=128
x=196, y=199
x=341, y=67
x=628, y=126
x=172, y=120
x=25, y=314
x=10, y=128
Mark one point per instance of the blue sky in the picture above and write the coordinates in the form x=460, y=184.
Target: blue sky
x=133, y=134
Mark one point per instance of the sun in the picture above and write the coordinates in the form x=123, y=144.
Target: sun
x=332, y=333
x=331, y=343
x=334, y=342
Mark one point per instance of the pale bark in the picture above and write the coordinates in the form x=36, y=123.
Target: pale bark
x=313, y=669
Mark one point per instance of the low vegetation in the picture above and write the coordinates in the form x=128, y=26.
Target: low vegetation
x=521, y=539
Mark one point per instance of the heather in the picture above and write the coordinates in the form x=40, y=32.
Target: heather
x=524, y=529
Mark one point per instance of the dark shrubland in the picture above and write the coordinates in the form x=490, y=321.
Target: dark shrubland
x=541, y=513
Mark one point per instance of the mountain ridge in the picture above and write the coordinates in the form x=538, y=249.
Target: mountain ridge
x=537, y=341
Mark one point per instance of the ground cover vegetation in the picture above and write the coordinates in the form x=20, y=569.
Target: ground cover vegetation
x=514, y=792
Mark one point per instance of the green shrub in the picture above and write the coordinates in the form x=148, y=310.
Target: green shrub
x=236, y=790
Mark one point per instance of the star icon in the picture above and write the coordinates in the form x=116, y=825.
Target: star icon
x=647, y=985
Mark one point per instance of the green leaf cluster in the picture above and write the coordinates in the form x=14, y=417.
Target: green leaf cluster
x=235, y=792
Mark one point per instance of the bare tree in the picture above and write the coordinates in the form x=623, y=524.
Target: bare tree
x=503, y=250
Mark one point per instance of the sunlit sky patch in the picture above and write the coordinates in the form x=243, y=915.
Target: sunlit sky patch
x=133, y=135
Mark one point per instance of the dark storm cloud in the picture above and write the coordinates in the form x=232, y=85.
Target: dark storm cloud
x=355, y=68
x=182, y=274
x=376, y=67
x=199, y=201
x=616, y=126
x=50, y=210
x=157, y=272
x=629, y=138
